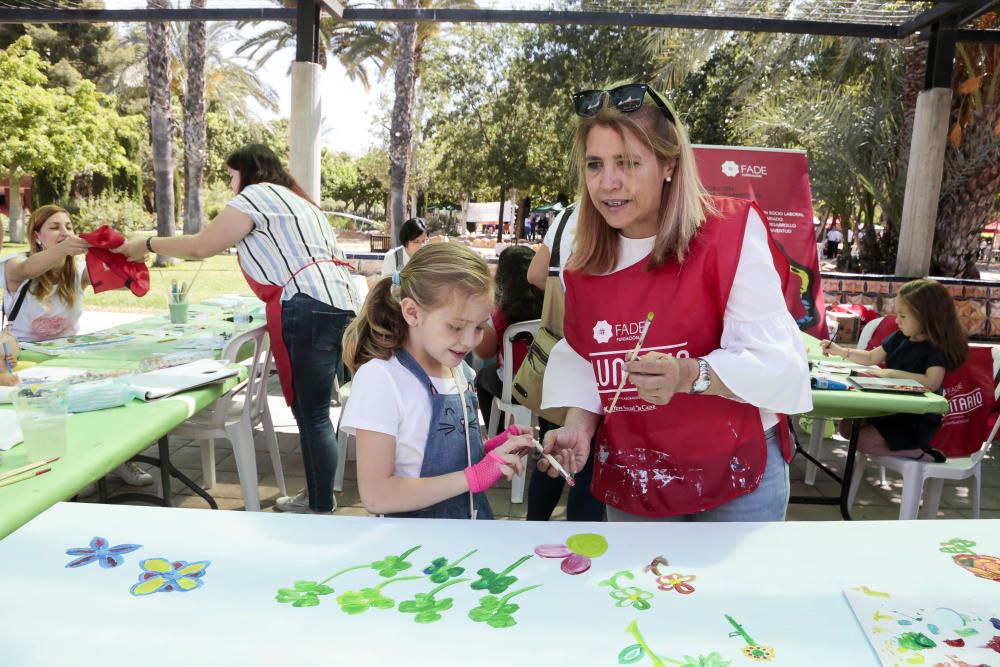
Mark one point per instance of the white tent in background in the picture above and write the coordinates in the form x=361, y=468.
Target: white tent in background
x=488, y=213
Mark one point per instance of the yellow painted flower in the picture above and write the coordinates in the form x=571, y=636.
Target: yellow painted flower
x=162, y=575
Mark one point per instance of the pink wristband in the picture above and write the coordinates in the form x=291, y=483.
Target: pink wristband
x=501, y=438
x=484, y=474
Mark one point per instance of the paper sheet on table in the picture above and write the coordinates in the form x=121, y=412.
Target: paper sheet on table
x=169, y=381
x=10, y=430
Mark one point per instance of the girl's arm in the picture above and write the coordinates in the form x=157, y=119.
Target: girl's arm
x=538, y=270
x=19, y=269
x=866, y=357
x=382, y=492
x=488, y=346
x=932, y=378
x=228, y=229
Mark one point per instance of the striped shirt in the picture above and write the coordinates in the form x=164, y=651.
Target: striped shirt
x=290, y=233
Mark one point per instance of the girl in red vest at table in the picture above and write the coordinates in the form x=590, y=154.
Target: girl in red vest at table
x=695, y=434
x=930, y=341
x=289, y=256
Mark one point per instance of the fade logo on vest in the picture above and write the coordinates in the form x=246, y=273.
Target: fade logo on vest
x=604, y=331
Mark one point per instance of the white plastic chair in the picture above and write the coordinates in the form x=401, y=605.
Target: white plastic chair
x=345, y=441
x=819, y=423
x=234, y=415
x=915, y=473
x=513, y=413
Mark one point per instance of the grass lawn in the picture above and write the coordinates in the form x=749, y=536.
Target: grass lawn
x=219, y=275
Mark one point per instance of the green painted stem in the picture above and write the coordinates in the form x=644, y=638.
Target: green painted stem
x=519, y=561
x=507, y=597
x=739, y=630
x=390, y=581
x=450, y=565
x=355, y=567
x=406, y=553
x=614, y=578
x=633, y=629
x=446, y=585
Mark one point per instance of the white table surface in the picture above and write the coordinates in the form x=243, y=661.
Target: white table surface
x=782, y=582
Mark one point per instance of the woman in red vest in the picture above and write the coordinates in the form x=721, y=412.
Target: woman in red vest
x=695, y=433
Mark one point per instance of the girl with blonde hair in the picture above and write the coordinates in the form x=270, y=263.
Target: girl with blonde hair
x=412, y=408
x=695, y=433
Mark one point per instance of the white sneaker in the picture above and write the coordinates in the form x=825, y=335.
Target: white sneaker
x=132, y=474
x=298, y=504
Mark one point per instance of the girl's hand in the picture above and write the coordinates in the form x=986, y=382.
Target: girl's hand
x=72, y=246
x=570, y=445
x=10, y=361
x=9, y=379
x=511, y=453
x=658, y=377
x=829, y=347
x=133, y=249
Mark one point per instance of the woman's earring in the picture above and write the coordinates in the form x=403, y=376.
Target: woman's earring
x=669, y=178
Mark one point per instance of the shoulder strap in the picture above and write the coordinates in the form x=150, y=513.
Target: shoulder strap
x=17, y=305
x=557, y=241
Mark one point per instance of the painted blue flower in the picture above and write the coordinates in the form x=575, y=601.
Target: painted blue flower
x=162, y=575
x=101, y=551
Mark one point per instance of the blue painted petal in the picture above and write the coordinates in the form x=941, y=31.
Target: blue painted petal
x=79, y=562
x=124, y=548
x=99, y=543
x=109, y=560
x=80, y=552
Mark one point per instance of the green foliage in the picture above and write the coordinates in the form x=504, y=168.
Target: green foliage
x=215, y=197
x=120, y=211
x=226, y=134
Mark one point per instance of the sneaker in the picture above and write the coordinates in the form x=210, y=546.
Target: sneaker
x=132, y=474
x=299, y=504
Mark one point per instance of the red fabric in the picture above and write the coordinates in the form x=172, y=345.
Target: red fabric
x=969, y=391
x=518, y=347
x=697, y=452
x=109, y=270
x=882, y=331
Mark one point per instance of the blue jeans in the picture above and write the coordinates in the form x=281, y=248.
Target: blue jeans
x=767, y=502
x=313, y=332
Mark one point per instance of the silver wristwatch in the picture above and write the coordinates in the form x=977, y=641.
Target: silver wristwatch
x=704, y=379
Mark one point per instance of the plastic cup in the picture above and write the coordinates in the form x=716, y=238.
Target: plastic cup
x=178, y=313
x=42, y=412
x=241, y=316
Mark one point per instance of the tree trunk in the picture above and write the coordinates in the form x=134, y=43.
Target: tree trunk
x=195, y=141
x=503, y=197
x=401, y=131
x=965, y=210
x=158, y=81
x=16, y=223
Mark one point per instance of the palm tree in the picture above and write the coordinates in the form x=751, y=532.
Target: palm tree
x=159, y=80
x=360, y=46
x=195, y=139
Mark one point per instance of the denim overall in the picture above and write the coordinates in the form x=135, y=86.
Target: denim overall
x=446, y=445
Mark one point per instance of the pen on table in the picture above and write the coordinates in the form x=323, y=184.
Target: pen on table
x=635, y=353
x=6, y=358
x=36, y=473
x=25, y=468
x=554, y=463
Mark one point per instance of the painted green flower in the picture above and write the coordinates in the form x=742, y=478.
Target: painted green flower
x=440, y=570
x=632, y=596
x=358, y=602
x=497, y=582
x=390, y=566
x=303, y=593
x=498, y=612
x=426, y=607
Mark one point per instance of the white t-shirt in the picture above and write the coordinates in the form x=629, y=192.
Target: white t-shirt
x=761, y=357
x=389, y=261
x=48, y=319
x=388, y=398
x=566, y=243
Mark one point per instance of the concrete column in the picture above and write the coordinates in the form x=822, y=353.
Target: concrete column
x=923, y=182
x=306, y=118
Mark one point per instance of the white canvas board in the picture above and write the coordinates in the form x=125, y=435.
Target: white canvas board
x=780, y=583
x=929, y=628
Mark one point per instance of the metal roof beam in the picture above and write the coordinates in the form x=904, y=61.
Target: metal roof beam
x=144, y=15
x=623, y=19
x=977, y=11
x=933, y=15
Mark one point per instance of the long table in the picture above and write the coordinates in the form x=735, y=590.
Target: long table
x=269, y=589
x=829, y=404
x=98, y=442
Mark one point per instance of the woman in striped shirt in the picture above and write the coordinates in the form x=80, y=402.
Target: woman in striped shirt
x=289, y=256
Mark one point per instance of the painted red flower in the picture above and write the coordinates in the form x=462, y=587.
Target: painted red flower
x=676, y=582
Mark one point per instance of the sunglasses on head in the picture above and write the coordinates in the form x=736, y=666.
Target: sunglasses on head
x=627, y=98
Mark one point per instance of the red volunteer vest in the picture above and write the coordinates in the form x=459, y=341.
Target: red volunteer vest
x=696, y=452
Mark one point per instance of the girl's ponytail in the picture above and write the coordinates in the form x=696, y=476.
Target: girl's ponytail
x=378, y=330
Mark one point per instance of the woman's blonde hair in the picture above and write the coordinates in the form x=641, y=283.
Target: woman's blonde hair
x=435, y=275
x=683, y=202
x=63, y=277
x=933, y=307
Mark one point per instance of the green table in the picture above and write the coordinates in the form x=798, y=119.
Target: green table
x=829, y=404
x=98, y=442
